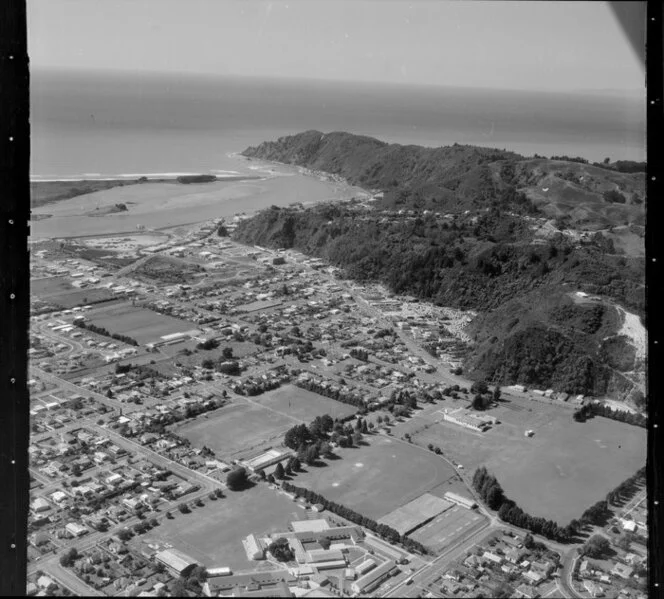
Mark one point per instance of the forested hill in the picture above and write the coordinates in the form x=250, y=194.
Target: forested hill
x=488, y=230
x=460, y=177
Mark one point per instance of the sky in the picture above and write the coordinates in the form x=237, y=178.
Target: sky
x=535, y=45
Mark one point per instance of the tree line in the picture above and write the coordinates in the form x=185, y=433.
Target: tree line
x=102, y=331
x=596, y=409
x=386, y=532
x=626, y=488
x=337, y=394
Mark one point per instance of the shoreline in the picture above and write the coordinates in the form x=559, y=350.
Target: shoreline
x=150, y=177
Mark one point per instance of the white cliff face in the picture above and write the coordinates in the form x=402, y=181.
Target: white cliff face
x=634, y=329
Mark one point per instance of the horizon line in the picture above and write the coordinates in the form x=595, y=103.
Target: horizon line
x=42, y=69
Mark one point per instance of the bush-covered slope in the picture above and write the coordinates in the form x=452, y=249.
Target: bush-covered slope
x=548, y=340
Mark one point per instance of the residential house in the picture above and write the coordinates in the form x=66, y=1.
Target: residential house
x=622, y=570
x=593, y=589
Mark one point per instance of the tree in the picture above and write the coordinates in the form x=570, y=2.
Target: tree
x=297, y=436
x=496, y=393
x=279, y=472
x=479, y=387
x=478, y=402
x=296, y=466
x=280, y=550
x=597, y=547
x=237, y=479
x=327, y=422
x=227, y=352
x=124, y=535
x=179, y=588
x=311, y=455
x=325, y=449
x=68, y=559
x=199, y=573
x=270, y=478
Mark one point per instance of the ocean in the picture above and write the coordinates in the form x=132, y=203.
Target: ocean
x=97, y=125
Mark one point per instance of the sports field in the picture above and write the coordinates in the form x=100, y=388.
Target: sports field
x=376, y=479
x=235, y=428
x=141, y=324
x=213, y=534
x=302, y=404
x=560, y=471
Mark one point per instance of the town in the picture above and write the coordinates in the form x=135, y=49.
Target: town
x=213, y=419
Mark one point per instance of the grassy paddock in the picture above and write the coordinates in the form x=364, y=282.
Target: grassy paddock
x=376, y=479
x=302, y=404
x=237, y=427
x=559, y=472
x=141, y=324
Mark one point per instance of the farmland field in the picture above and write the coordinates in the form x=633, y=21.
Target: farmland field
x=213, y=534
x=141, y=324
x=302, y=404
x=559, y=472
x=236, y=428
x=376, y=479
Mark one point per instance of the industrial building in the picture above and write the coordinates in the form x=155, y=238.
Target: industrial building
x=373, y=578
x=176, y=562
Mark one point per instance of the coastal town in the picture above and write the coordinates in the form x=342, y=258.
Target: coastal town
x=214, y=419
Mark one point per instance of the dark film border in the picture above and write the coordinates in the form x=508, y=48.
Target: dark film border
x=14, y=296
x=654, y=298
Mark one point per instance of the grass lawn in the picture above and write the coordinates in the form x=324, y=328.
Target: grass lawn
x=302, y=404
x=139, y=323
x=48, y=286
x=376, y=479
x=559, y=472
x=60, y=291
x=235, y=428
x=213, y=534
